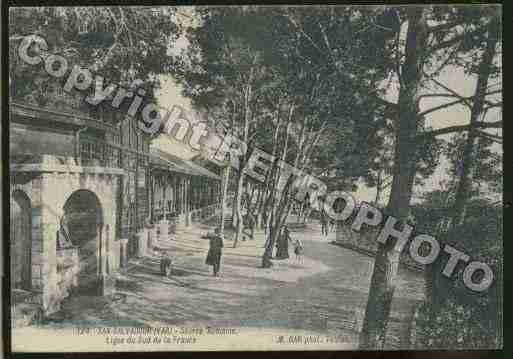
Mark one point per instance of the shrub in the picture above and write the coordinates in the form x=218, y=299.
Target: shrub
x=454, y=326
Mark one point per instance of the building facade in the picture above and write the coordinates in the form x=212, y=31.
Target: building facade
x=85, y=194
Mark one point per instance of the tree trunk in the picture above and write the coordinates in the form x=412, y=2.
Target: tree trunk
x=224, y=193
x=234, y=211
x=430, y=277
x=281, y=199
x=238, y=209
x=275, y=222
x=276, y=201
x=251, y=198
x=500, y=299
x=387, y=260
x=268, y=251
x=301, y=213
x=465, y=182
x=378, y=188
x=267, y=195
x=243, y=159
x=258, y=207
x=464, y=189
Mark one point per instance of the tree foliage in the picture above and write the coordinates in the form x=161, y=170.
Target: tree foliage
x=121, y=44
x=291, y=81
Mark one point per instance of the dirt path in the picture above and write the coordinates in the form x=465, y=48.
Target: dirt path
x=325, y=294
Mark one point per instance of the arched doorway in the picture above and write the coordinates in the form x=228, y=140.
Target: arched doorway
x=83, y=222
x=21, y=241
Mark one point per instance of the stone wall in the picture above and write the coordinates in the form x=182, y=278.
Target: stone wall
x=48, y=184
x=366, y=242
x=57, y=188
x=68, y=267
x=25, y=138
x=30, y=185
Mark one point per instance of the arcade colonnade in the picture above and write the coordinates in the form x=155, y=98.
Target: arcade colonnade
x=181, y=193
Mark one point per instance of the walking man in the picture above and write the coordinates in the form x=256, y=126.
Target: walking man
x=214, y=251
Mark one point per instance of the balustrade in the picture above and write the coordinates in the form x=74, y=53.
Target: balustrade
x=99, y=153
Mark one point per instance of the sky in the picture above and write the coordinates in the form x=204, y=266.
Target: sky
x=454, y=78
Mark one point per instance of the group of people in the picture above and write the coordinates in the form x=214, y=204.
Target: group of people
x=282, y=246
x=216, y=245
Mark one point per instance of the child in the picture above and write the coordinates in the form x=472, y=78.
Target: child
x=298, y=250
x=165, y=264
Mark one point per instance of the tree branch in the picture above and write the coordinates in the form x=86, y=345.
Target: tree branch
x=442, y=27
x=451, y=129
x=492, y=105
x=444, y=63
x=494, y=138
x=439, y=95
x=327, y=43
x=446, y=88
x=445, y=105
x=455, y=39
x=493, y=92
x=300, y=28
x=466, y=100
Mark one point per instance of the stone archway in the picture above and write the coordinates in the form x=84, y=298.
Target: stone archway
x=21, y=241
x=83, y=222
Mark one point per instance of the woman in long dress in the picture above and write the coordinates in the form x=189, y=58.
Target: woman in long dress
x=282, y=251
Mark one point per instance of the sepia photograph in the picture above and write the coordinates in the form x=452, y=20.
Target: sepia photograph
x=254, y=178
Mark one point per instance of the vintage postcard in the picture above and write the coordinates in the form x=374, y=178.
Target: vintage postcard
x=218, y=178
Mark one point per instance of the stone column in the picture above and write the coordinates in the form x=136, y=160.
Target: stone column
x=151, y=238
x=164, y=198
x=123, y=258
x=180, y=221
x=114, y=239
x=164, y=223
x=37, y=250
x=187, y=202
x=51, y=210
x=152, y=195
x=106, y=282
x=142, y=242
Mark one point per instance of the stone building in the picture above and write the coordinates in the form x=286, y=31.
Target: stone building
x=83, y=189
